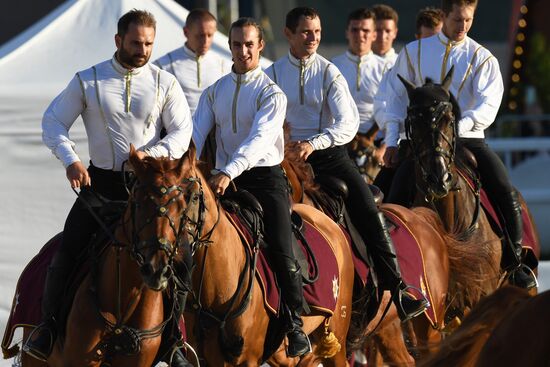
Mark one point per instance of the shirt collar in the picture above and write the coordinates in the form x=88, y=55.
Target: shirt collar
x=389, y=54
x=248, y=76
x=356, y=58
x=122, y=70
x=445, y=40
x=307, y=61
x=189, y=52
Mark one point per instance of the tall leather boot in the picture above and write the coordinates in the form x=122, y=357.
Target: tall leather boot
x=41, y=341
x=510, y=207
x=387, y=266
x=290, y=279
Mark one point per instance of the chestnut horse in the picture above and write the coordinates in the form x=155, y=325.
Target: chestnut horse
x=390, y=341
x=227, y=322
x=367, y=156
x=117, y=315
x=432, y=131
x=507, y=328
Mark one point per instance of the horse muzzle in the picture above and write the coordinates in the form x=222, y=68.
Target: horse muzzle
x=156, y=280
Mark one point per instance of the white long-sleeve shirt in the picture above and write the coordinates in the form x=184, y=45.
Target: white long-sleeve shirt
x=194, y=73
x=477, y=82
x=363, y=74
x=248, y=111
x=119, y=107
x=320, y=107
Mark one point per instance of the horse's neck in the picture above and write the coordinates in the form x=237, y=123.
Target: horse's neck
x=457, y=209
x=120, y=286
x=218, y=264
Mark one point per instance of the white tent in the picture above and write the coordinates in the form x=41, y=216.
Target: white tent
x=35, y=196
x=79, y=34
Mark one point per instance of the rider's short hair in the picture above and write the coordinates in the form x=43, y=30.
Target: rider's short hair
x=429, y=17
x=247, y=22
x=199, y=15
x=138, y=17
x=293, y=16
x=447, y=5
x=385, y=12
x=360, y=14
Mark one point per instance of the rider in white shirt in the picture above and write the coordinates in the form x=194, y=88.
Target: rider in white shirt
x=428, y=22
x=323, y=118
x=248, y=111
x=386, y=32
x=122, y=101
x=363, y=71
x=195, y=66
x=478, y=88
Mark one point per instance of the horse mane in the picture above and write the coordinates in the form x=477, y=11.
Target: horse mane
x=467, y=261
x=462, y=347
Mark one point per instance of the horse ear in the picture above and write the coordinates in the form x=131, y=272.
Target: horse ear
x=446, y=84
x=408, y=85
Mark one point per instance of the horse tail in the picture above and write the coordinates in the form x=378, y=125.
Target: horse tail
x=231, y=345
x=462, y=347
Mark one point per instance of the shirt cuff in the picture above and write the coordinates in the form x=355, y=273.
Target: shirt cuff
x=465, y=125
x=66, y=154
x=392, y=134
x=235, y=168
x=321, y=141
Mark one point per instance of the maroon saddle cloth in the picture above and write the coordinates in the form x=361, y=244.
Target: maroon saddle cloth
x=411, y=262
x=26, y=305
x=529, y=242
x=323, y=293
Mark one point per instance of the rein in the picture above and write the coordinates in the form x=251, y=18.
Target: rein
x=249, y=269
x=121, y=338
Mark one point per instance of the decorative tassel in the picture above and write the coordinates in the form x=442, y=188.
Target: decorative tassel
x=329, y=345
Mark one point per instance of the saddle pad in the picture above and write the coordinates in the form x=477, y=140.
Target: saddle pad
x=411, y=262
x=26, y=305
x=528, y=241
x=323, y=293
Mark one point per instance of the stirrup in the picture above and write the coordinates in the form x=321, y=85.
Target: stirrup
x=423, y=303
x=529, y=283
x=291, y=351
x=34, y=350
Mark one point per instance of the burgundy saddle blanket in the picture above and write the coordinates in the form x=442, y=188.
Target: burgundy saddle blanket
x=411, y=262
x=322, y=294
x=25, y=308
x=529, y=241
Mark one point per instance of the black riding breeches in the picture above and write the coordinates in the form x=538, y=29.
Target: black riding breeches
x=269, y=185
x=492, y=171
x=360, y=202
x=80, y=225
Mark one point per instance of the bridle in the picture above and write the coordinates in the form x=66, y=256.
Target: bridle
x=417, y=116
x=191, y=219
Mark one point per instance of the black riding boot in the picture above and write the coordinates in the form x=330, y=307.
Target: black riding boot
x=387, y=266
x=290, y=280
x=520, y=276
x=40, y=342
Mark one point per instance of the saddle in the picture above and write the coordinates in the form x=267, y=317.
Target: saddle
x=250, y=213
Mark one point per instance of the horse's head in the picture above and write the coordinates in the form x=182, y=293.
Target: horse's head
x=431, y=129
x=166, y=207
